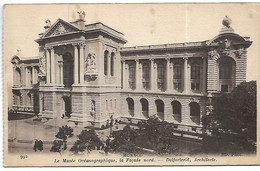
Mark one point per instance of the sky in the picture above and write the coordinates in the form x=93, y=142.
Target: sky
x=142, y=24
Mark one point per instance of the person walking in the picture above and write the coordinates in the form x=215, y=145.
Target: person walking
x=35, y=147
x=40, y=145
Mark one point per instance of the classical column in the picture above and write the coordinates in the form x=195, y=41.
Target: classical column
x=48, y=66
x=26, y=77
x=40, y=103
x=188, y=77
x=155, y=81
x=61, y=73
x=152, y=78
x=33, y=75
x=137, y=75
x=140, y=75
x=204, y=77
x=185, y=73
x=81, y=64
x=53, y=72
x=127, y=76
x=168, y=74
x=124, y=74
x=76, y=64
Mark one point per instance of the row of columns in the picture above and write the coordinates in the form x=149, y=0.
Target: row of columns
x=79, y=50
x=110, y=57
x=169, y=75
x=31, y=76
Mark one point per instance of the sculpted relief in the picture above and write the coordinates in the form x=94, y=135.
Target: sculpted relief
x=59, y=29
x=90, y=63
x=226, y=47
x=42, y=64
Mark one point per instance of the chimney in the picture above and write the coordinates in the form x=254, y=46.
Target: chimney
x=48, y=24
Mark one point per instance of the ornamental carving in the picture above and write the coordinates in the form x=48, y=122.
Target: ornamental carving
x=227, y=44
x=90, y=63
x=42, y=65
x=226, y=49
x=213, y=54
x=60, y=29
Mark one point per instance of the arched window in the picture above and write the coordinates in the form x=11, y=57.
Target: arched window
x=161, y=76
x=176, y=110
x=112, y=63
x=195, y=76
x=131, y=107
x=146, y=76
x=226, y=74
x=195, y=112
x=93, y=108
x=160, y=109
x=177, y=76
x=131, y=76
x=105, y=62
x=145, y=107
x=29, y=99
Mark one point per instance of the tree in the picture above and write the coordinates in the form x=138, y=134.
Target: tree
x=87, y=140
x=231, y=126
x=63, y=134
x=124, y=140
x=152, y=133
x=158, y=133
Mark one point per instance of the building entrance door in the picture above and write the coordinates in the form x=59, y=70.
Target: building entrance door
x=66, y=107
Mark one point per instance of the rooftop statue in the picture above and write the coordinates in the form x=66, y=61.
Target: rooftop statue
x=226, y=25
x=81, y=15
x=48, y=23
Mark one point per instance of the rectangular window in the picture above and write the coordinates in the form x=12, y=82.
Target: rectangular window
x=131, y=76
x=112, y=64
x=177, y=76
x=195, y=77
x=146, y=76
x=105, y=62
x=161, y=76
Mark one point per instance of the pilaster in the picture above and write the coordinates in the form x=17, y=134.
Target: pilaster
x=81, y=63
x=137, y=75
x=53, y=72
x=48, y=66
x=76, y=64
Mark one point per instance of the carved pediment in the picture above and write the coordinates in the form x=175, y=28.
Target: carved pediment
x=229, y=45
x=60, y=27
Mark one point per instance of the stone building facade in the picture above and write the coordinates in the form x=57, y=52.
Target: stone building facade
x=86, y=75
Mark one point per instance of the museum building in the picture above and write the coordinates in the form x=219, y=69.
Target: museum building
x=85, y=75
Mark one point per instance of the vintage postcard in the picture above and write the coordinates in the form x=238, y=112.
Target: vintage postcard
x=131, y=84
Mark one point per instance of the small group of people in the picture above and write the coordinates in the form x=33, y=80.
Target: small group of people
x=38, y=145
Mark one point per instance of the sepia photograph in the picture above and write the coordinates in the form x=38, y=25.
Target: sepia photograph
x=131, y=84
